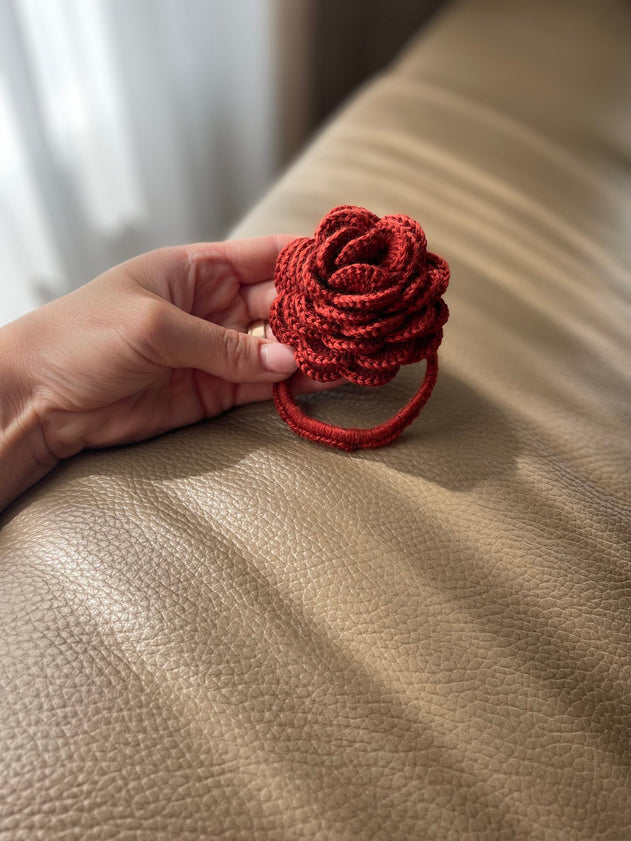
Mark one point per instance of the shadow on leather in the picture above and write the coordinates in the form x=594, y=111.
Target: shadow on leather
x=459, y=440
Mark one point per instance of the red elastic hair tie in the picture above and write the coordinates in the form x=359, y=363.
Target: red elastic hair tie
x=358, y=300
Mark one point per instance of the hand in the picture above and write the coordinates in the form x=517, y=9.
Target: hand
x=155, y=343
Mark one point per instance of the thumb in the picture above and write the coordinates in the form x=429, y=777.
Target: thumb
x=185, y=341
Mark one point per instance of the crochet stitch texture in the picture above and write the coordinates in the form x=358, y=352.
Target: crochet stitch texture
x=358, y=300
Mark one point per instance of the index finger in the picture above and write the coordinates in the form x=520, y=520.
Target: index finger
x=251, y=260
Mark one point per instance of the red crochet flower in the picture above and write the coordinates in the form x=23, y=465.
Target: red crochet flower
x=358, y=300
x=361, y=298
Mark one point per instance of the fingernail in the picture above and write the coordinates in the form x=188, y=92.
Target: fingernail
x=278, y=358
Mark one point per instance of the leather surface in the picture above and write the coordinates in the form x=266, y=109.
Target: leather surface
x=231, y=633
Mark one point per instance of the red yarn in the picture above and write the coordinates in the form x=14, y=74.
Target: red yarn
x=358, y=300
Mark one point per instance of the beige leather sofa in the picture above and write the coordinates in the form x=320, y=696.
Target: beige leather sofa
x=230, y=633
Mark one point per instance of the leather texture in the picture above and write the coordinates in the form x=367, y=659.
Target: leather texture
x=232, y=633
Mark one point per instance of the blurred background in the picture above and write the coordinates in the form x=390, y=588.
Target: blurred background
x=126, y=125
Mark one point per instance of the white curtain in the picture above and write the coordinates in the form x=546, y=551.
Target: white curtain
x=126, y=125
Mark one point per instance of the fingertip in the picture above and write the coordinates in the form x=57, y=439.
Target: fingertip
x=278, y=358
x=301, y=384
x=270, y=296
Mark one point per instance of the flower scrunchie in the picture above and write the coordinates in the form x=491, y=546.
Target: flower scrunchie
x=358, y=300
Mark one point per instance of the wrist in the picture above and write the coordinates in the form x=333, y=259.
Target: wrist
x=24, y=456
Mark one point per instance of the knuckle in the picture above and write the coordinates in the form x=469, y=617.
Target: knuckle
x=238, y=351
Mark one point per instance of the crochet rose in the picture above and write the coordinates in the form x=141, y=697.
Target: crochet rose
x=360, y=298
